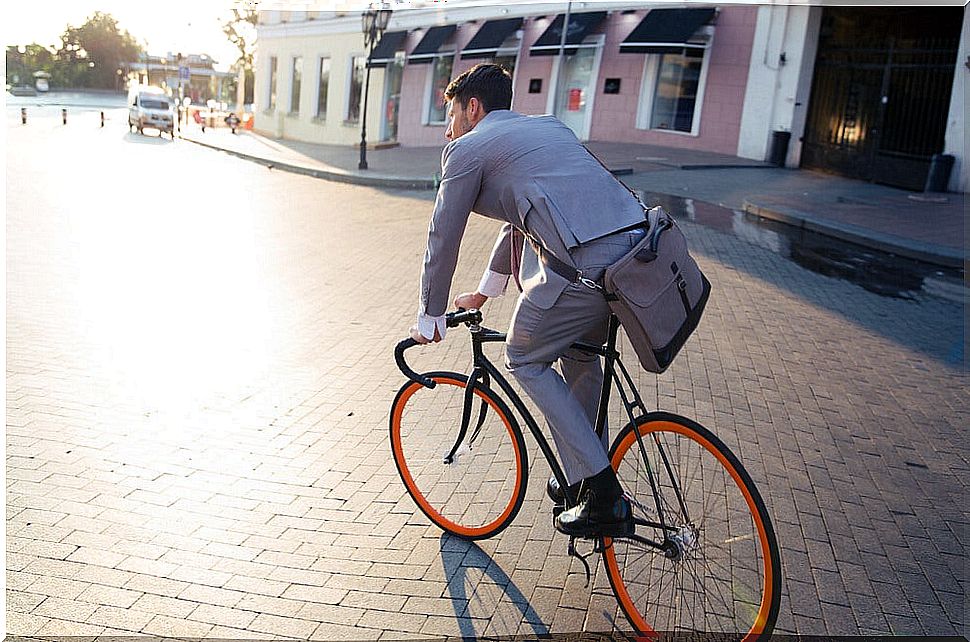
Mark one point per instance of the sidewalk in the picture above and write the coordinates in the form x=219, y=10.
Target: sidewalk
x=926, y=227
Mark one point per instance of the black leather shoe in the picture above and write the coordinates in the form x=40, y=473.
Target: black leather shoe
x=596, y=517
x=602, y=511
x=555, y=491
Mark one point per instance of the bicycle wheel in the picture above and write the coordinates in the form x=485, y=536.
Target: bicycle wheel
x=479, y=493
x=721, y=570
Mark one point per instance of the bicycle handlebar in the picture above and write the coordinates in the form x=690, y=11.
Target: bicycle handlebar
x=452, y=319
x=403, y=366
x=471, y=317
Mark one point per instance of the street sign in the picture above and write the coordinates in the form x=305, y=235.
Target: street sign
x=183, y=72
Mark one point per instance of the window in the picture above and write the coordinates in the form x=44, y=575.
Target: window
x=323, y=88
x=295, y=86
x=506, y=61
x=676, y=92
x=508, y=53
x=272, y=83
x=440, y=77
x=356, y=88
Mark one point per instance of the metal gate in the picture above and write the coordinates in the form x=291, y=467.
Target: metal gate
x=881, y=92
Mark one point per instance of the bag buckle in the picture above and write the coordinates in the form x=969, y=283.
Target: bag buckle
x=591, y=284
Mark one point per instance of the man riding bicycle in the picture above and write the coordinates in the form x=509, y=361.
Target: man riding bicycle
x=533, y=173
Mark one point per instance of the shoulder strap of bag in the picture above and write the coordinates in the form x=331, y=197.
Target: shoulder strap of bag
x=567, y=271
x=635, y=195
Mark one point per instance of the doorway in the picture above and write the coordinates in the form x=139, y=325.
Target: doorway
x=881, y=92
x=392, y=98
x=576, y=85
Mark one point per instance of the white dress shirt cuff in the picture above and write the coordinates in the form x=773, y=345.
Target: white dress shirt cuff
x=427, y=324
x=493, y=284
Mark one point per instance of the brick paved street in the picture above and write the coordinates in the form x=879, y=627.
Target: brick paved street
x=198, y=382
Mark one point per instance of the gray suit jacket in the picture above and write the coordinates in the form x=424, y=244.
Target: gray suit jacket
x=532, y=173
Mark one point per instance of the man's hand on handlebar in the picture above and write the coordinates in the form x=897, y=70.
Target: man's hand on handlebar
x=420, y=338
x=466, y=301
x=470, y=300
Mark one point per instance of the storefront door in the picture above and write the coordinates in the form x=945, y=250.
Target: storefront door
x=392, y=98
x=576, y=85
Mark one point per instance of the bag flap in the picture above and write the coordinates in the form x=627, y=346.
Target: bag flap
x=641, y=282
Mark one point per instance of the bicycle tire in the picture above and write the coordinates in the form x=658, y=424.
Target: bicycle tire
x=478, y=495
x=733, y=536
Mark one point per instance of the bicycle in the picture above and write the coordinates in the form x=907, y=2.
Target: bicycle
x=702, y=529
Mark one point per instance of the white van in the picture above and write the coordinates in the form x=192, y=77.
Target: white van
x=149, y=107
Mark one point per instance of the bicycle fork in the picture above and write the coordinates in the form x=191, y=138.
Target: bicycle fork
x=478, y=374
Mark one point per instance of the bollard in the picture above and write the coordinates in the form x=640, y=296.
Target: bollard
x=23, y=115
x=102, y=119
x=64, y=116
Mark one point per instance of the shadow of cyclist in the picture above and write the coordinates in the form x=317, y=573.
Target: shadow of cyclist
x=457, y=557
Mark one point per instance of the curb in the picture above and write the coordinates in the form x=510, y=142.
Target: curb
x=375, y=180
x=925, y=252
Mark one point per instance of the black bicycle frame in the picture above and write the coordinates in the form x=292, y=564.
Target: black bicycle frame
x=484, y=371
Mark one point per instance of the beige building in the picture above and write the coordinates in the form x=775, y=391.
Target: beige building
x=309, y=72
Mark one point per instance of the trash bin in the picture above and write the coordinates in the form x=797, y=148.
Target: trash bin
x=779, y=148
x=939, y=175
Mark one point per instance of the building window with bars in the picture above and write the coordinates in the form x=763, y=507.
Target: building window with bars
x=297, y=81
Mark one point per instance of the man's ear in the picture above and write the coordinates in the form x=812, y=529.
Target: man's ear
x=475, y=108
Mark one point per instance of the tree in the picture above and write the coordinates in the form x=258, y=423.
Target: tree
x=91, y=54
x=23, y=65
x=241, y=31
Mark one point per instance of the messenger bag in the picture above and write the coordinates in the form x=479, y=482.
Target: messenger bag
x=656, y=290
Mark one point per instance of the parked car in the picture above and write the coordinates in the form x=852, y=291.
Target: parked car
x=149, y=107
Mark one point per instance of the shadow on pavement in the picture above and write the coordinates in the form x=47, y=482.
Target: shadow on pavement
x=457, y=557
x=918, y=306
x=147, y=139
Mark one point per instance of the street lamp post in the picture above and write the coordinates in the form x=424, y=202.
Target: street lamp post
x=373, y=23
x=178, y=102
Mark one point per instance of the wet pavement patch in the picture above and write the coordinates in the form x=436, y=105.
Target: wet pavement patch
x=882, y=273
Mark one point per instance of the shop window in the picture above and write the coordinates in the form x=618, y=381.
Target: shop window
x=507, y=61
x=440, y=77
x=673, y=91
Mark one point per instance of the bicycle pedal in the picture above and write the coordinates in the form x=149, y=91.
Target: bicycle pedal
x=557, y=510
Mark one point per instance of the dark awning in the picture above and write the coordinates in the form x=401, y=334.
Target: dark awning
x=490, y=37
x=427, y=49
x=666, y=31
x=390, y=43
x=580, y=24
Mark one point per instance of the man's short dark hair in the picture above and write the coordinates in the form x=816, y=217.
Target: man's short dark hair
x=491, y=84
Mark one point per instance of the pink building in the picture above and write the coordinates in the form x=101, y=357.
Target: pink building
x=801, y=86
x=604, y=89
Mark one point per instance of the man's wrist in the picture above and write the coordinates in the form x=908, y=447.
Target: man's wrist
x=493, y=284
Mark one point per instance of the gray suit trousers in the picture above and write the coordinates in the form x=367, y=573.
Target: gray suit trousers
x=539, y=337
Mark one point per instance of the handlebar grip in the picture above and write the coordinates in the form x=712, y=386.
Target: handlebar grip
x=403, y=366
